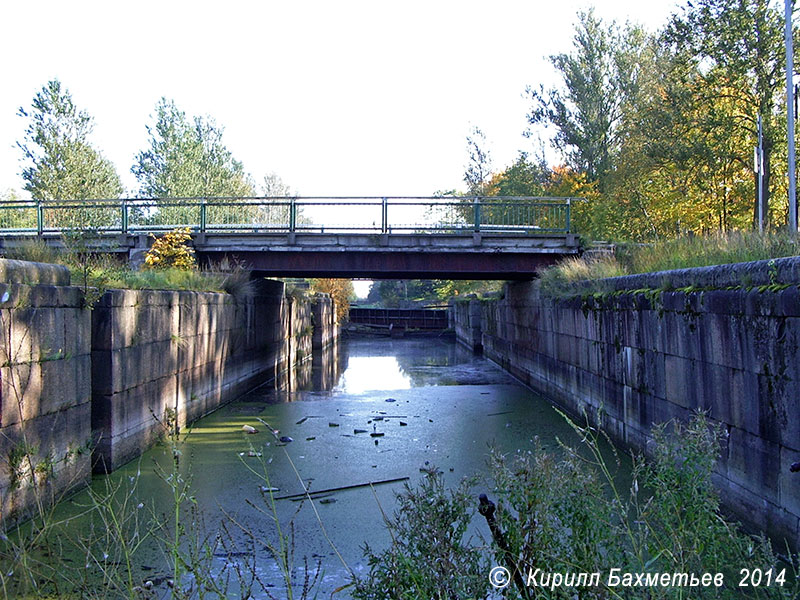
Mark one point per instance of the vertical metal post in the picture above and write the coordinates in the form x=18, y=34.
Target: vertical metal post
x=760, y=176
x=202, y=215
x=124, y=216
x=569, y=210
x=292, y=214
x=39, y=217
x=790, y=116
x=384, y=215
x=477, y=206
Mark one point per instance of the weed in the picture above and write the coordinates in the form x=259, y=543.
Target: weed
x=568, y=514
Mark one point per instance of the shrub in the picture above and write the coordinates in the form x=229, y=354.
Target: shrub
x=430, y=556
x=172, y=251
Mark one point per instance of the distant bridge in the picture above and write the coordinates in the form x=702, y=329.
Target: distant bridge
x=447, y=237
x=401, y=318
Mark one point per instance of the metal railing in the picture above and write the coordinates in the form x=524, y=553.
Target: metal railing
x=446, y=214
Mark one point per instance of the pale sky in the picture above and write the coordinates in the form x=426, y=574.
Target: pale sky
x=336, y=97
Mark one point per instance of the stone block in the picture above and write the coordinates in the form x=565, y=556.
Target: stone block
x=681, y=381
x=32, y=273
x=778, y=410
x=754, y=464
x=77, y=331
x=788, y=304
x=22, y=388
x=723, y=302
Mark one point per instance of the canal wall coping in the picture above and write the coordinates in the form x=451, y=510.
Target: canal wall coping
x=756, y=273
x=642, y=359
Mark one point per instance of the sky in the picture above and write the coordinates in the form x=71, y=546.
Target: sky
x=338, y=98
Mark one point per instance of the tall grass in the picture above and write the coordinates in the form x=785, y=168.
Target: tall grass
x=680, y=253
x=702, y=251
x=104, y=271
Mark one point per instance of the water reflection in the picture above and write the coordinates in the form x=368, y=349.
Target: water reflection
x=362, y=365
x=369, y=373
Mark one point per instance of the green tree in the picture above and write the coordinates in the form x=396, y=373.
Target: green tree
x=479, y=165
x=586, y=112
x=737, y=49
x=187, y=159
x=61, y=164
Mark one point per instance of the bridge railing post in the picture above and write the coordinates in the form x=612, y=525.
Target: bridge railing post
x=569, y=210
x=477, y=207
x=292, y=214
x=124, y=208
x=39, y=217
x=202, y=215
x=384, y=215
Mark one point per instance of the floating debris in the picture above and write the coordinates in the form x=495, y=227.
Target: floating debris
x=311, y=439
x=391, y=400
x=249, y=429
x=403, y=424
x=376, y=434
x=327, y=501
x=505, y=412
x=286, y=439
x=301, y=421
x=266, y=489
x=332, y=424
x=343, y=487
x=356, y=431
x=251, y=454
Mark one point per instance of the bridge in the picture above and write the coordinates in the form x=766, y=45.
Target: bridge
x=448, y=237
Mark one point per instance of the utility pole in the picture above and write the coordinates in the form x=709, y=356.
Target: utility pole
x=758, y=167
x=790, y=116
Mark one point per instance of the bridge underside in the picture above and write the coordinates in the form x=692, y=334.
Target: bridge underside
x=379, y=265
x=392, y=256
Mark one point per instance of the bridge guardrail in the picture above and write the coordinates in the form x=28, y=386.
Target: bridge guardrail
x=400, y=214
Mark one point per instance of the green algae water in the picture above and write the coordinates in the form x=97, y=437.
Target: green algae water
x=380, y=411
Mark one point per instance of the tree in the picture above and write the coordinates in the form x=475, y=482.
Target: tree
x=737, y=49
x=277, y=215
x=188, y=160
x=525, y=177
x=62, y=165
x=479, y=166
x=586, y=112
x=340, y=290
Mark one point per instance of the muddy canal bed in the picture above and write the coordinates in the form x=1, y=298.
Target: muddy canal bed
x=392, y=409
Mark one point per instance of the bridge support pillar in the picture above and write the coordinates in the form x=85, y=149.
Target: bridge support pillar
x=139, y=246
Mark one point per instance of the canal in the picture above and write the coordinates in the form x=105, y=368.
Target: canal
x=374, y=410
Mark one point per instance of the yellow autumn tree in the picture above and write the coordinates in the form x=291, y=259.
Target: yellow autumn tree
x=341, y=290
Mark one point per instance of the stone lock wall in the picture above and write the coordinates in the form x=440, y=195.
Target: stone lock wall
x=647, y=358
x=161, y=356
x=83, y=390
x=45, y=388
